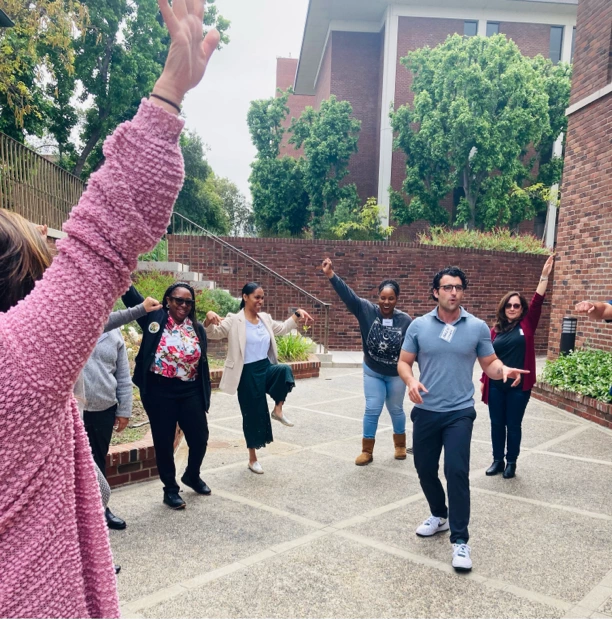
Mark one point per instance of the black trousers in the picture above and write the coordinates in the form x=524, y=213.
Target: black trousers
x=506, y=410
x=453, y=431
x=99, y=427
x=169, y=401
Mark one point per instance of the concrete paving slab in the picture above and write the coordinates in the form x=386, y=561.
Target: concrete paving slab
x=161, y=547
x=316, y=486
x=340, y=578
x=514, y=542
x=590, y=444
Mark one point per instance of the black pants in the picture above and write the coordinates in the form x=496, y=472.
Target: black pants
x=453, y=431
x=169, y=401
x=506, y=410
x=99, y=427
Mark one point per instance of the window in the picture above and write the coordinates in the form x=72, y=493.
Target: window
x=492, y=28
x=556, y=43
x=470, y=28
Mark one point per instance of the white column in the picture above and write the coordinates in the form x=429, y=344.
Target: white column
x=551, y=218
x=482, y=28
x=387, y=99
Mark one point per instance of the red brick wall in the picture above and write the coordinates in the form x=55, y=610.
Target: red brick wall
x=584, y=239
x=592, y=48
x=364, y=265
x=532, y=39
x=285, y=77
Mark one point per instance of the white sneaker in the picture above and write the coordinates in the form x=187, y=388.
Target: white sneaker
x=283, y=419
x=256, y=468
x=462, y=561
x=431, y=526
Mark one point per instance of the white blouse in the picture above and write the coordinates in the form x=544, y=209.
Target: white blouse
x=257, y=342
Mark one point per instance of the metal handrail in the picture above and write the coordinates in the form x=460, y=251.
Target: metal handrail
x=256, y=263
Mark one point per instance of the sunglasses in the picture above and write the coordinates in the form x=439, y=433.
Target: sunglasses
x=179, y=301
x=513, y=306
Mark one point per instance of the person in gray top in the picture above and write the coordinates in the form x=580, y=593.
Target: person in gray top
x=446, y=343
x=382, y=331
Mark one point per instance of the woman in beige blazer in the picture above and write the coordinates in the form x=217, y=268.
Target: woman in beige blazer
x=252, y=368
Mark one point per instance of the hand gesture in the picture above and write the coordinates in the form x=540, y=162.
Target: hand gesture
x=512, y=373
x=212, y=318
x=326, y=267
x=414, y=389
x=584, y=307
x=548, y=265
x=120, y=424
x=151, y=304
x=189, y=50
x=304, y=317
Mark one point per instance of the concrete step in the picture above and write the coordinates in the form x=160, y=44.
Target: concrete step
x=204, y=285
x=162, y=266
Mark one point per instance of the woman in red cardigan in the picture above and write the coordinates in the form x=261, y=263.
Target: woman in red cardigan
x=514, y=342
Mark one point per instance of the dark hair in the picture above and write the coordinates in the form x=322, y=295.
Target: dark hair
x=248, y=289
x=502, y=324
x=24, y=256
x=389, y=283
x=453, y=272
x=171, y=289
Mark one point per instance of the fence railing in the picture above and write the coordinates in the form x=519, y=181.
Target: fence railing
x=35, y=187
x=231, y=268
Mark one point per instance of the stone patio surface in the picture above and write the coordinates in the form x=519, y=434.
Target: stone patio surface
x=317, y=536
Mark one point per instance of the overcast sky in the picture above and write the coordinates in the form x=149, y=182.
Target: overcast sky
x=242, y=71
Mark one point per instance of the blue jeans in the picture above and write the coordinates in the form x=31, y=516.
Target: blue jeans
x=506, y=410
x=379, y=390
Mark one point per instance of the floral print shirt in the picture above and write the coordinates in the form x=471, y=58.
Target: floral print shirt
x=178, y=352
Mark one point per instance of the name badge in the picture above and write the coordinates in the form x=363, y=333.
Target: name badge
x=521, y=331
x=387, y=322
x=448, y=332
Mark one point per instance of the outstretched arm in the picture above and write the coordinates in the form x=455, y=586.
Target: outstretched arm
x=596, y=310
x=353, y=303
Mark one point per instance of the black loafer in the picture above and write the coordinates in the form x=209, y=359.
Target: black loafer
x=510, y=470
x=114, y=522
x=198, y=485
x=173, y=500
x=496, y=468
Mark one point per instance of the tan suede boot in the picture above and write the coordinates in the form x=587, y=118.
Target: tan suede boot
x=400, y=446
x=367, y=447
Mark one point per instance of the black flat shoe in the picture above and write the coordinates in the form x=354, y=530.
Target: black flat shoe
x=510, y=470
x=198, y=485
x=114, y=522
x=117, y=569
x=495, y=468
x=173, y=500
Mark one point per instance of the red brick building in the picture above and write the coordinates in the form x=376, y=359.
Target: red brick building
x=352, y=49
x=584, y=241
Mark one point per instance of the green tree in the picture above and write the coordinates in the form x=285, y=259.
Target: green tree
x=236, y=207
x=360, y=224
x=31, y=54
x=329, y=138
x=198, y=200
x=479, y=107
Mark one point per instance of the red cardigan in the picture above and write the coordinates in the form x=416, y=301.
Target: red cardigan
x=528, y=324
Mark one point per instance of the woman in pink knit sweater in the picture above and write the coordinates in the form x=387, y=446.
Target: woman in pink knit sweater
x=55, y=558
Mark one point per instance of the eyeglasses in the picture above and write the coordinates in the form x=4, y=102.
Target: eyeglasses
x=449, y=288
x=180, y=301
x=513, y=306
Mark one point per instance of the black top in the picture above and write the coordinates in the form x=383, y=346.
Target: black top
x=382, y=342
x=510, y=348
x=153, y=325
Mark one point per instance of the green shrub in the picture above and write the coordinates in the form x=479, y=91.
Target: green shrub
x=585, y=371
x=226, y=302
x=293, y=348
x=500, y=239
x=158, y=254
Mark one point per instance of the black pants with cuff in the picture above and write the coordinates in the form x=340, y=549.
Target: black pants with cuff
x=99, y=427
x=168, y=401
x=453, y=431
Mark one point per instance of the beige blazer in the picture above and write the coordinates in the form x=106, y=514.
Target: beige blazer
x=233, y=327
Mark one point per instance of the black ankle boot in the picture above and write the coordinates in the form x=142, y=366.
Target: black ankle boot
x=510, y=470
x=495, y=468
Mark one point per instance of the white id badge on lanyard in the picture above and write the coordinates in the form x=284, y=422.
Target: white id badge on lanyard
x=448, y=332
x=387, y=322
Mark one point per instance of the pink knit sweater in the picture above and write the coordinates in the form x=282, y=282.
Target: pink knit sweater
x=55, y=558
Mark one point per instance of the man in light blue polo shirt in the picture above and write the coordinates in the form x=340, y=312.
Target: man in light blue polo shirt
x=446, y=343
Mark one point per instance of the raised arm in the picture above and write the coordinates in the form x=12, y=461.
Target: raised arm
x=595, y=310
x=123, y=317
x=353, y=303
x=217, y=328
x=123, y=213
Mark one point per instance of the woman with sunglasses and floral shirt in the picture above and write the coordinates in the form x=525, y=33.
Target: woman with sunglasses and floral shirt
x=513, y=338
x=172, y=374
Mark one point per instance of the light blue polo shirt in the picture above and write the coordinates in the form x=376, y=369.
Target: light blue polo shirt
x=446, y=358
